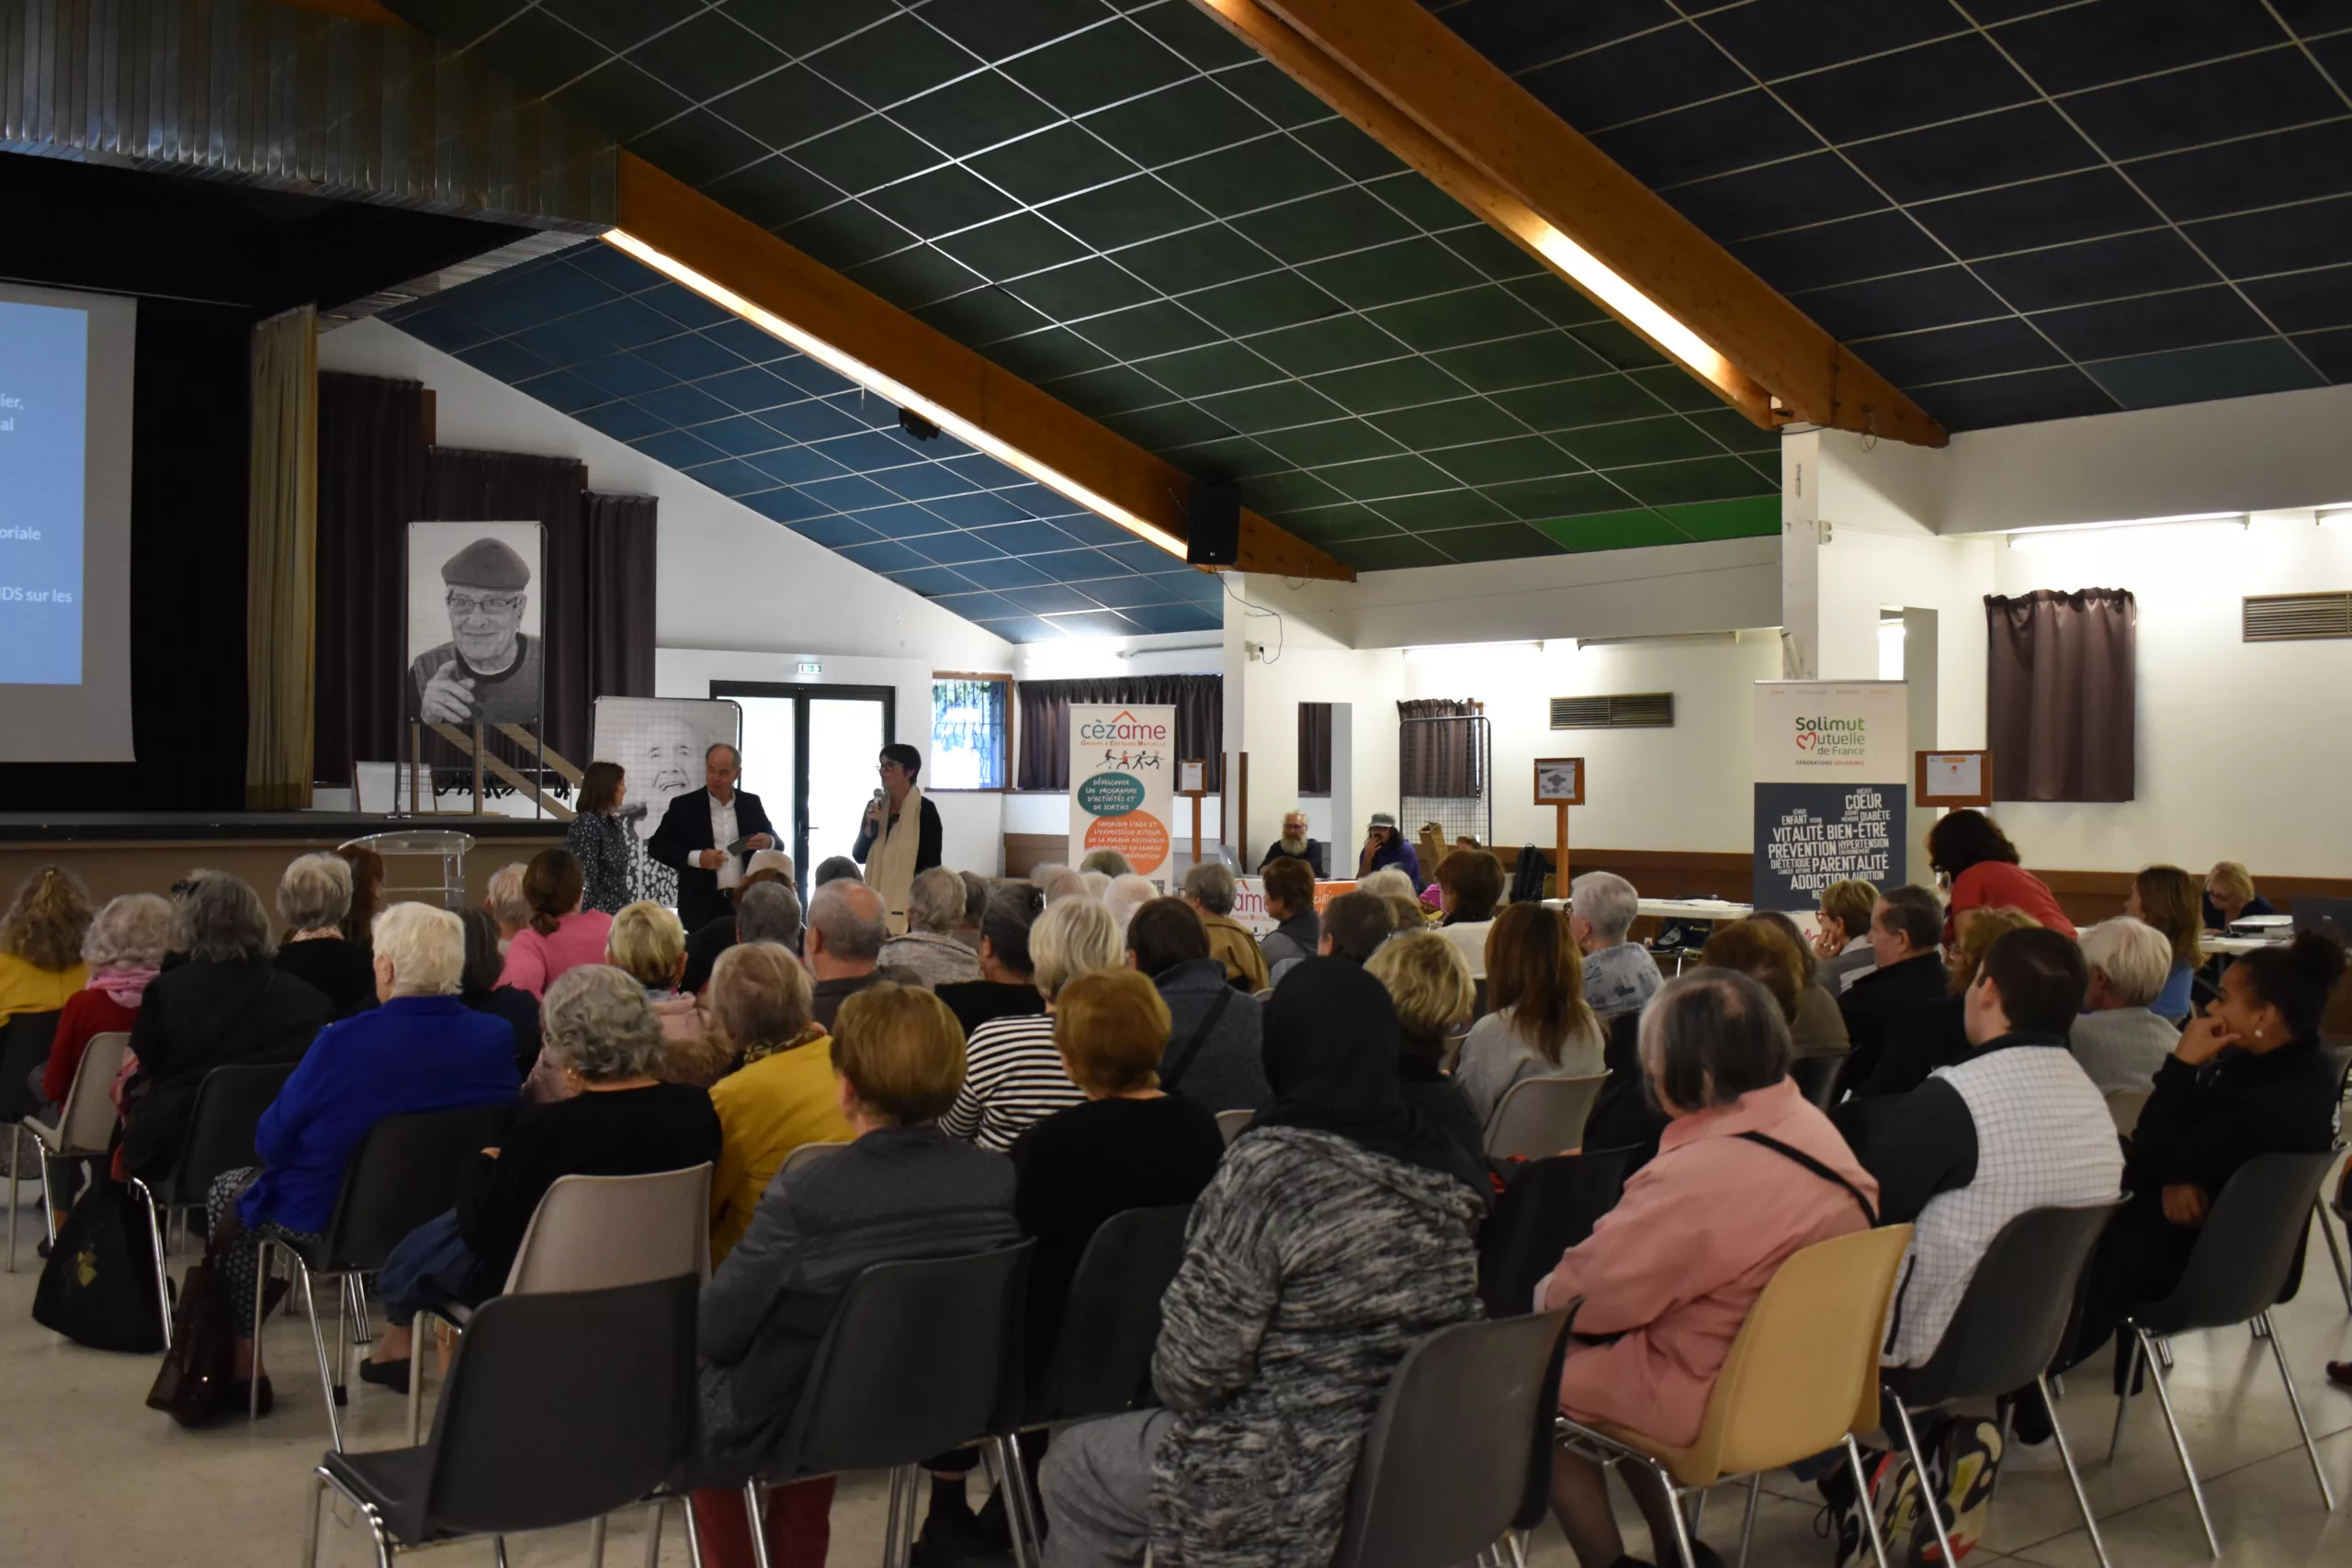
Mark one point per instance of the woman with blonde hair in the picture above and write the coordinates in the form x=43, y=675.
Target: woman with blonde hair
x=2169, y=898
x=40, y=942
x=1016, y=1075
x=782, y=1097
x=313, y=896
x=2230, y=895
x=1434, y=995
x=1540, y=1027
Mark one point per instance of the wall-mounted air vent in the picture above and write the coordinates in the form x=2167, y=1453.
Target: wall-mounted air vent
x=2297, y=618
x=1636, y=710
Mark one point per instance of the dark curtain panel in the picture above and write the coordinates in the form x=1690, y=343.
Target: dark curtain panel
x=1439, y=758
x=371, y=487
x=1199, y=701
x=1315, y=748
x=2059, y=695
x=618, y=608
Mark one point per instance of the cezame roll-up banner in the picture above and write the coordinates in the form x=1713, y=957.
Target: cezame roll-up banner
x=1833, y=783
x=1123, y=784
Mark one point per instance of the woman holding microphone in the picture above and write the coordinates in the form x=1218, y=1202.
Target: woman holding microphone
x=899, y=837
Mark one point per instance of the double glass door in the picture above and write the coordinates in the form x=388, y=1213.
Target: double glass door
x=809, y=754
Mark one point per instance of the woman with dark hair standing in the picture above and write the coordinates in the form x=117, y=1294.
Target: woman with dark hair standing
x=2170, y=899
x=597, y=840
x=366, y=895
x=1969, y=849
x=561, y=934
x=900, y=835
x=1540, y=1027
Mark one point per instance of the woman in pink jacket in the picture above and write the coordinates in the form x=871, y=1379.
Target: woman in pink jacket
x=561, y=935
x=1747, y=1174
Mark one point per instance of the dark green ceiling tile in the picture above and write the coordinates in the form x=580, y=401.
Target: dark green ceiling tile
x=1707, y=478
x=845, y=234
x=1234, y=457
x=1325, y=225
x=1271, y=494
x=1749, y=517
x=1566, y=405
x=1446, y=321
x=1115, y=388
x=1329, y=526
x=613, y=95
x=1157, y=328
x=1411, y=194
x=940, y=202
x=916, y=275
x=1558, y=299
x=1261, y=304
x=1124, y=213
x=1390, y=384
x=1404, y=271
x=1261, y=409
x=1498, y=462
x=1391, y=553
x=1733, y=431
x=1183, y=121
x=994, y=31
x=1448, y=424
x=1667, y=439
x=795, y=26
x=1193, y=33
x=1197, y=258
x=1611, y=531
x=789, y=107
x=773, y=192
x=1082, y=288
x=1617, y=343
x=1401, y=475
x=864, y=154
x=1357, y=154
x=1333, y=441
x=1213, y=367
x=1676, y=388
x=1172, y=424
x=1326, y=344
x=1257, y=173
x=1040, y=356
x=895, y=60
x=1051, y=164
x=1442, y=509
x=1268, y=90
x=1529, y=361
x=706, y=56
x=1010, y=246
x=1564, y=495
x=1485, y=248
x=982, y=315
x=698, y=147
x=623, y=23
x=1099, y=66
x=1498, y=541
x=979, y=111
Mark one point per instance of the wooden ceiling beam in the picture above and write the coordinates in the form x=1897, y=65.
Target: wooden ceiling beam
x=1045, y=438
x=1405, y=78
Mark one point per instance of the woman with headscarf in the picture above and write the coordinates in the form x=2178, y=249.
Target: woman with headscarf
x=1339, y=1230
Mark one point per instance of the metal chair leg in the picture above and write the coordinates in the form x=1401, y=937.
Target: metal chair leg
x=318, y=1506
x=890, y=1521
x=596, y=1542
x=1026, y=1545
x=2294, y=1401
x=1747, y=1524
x=2163, y=1349
x=1517, y=1548
x=2180, y=1443
x=694, y=1530
x=653, y=1534
x=419, y=1331
x=1698, y=1513
x=2127, y=1345
x=498, y=1551
x=1685, y=1553
x=1863, y=1495
x=318, y=1345
x=260, y=1294
x=2074, y=1476
x=16, y=1172
x=759, y=1525
x=2335, y=1253
x=155, y=1244
x=48, y=1191
x=908, y=1528
x=1927, y=1491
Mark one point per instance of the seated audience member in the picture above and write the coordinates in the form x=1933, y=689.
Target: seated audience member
x=1390, y=883
x=1110, y=862
x=1434, y=996
x=2168, y=897
x=1842, y=935
x=649, y=945
x=1128, y=894
x=561, y=935
x=901, y=1190
x=1907, y=947
x=1819, y=1029
x=929, y=950
x=1970, y=851
x=227, y=1004
x=782, y=1097
x=847, y=926
x=1470, y=882
x=1130, y=1145
x=421, y=1050
x=836, y=868
x=978, y=891
x=1298, y=931
x=1209, y=890
x=1619, y=976
x=1295, y=844
x=1669, y=1276
x=123, y=952
x=2015, y=1125
x=1213, y=1050
x=2118, y=1040
x=1622, y=1115
x=1065, y=884
x=1384, y=849
x=2230, y=895
x=1006, y=988
x=1540, y=1027
x=312, y=898
x=1098, y=884
x=1043, y=876
x=1406, y=914
x=481, y=990
x=1337, y=1232
x=366, y=894
x=41, y=943
x=607, y=1039
x=1355, y=924
x=1935, y=1034
x=504, y=903
x=704, y=945
x=1755, y=949
x=1013, y=1074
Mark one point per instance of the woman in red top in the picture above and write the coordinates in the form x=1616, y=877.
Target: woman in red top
x=1968, y=847
x=123, y=949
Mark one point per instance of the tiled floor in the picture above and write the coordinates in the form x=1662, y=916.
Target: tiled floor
x=94, y=1479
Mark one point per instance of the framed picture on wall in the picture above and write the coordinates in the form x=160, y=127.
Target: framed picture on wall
x=1559, y=781
x=1952, y=778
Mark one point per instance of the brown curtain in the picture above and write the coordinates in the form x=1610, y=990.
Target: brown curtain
x=621, y=534
x=371, y=487
x=1315, y=748
x=282, y=550
x=1441, y=758
x=2059, y=691
x=1199, y=702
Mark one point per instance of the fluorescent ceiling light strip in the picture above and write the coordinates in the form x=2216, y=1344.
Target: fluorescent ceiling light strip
x=1646, y=315
x=905, y=397
x=2129, y=522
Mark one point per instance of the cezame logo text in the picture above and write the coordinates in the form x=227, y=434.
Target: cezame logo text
x=1122, y=726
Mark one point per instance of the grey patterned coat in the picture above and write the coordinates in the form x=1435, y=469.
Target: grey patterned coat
x=1311, y=1267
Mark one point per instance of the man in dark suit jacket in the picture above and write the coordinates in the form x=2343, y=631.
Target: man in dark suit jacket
x=1907, y=933
x=688, y=839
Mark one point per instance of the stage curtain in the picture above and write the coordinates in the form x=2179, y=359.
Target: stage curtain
x=371, y=487
x=281, y=544
x=1199, y=701
x=1315, y=748
x=2060, y=693
x=1441, y=759
x=617, y=607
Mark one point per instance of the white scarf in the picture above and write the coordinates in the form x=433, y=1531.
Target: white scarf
x=890, y=861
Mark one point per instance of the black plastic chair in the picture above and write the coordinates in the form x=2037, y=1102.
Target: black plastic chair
x=1101, y=1358
x=1444, y=1471
x=2240, y=1269
x=405, y=1173
x=544, y=1422
x=1822, y=1079
x=2006, y=1330
x=1551, y=1205
x=24, y=1046
x=920, y=1357
x=229, y=1107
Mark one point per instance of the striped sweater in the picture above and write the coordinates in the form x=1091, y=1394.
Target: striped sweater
x=1012, y=1077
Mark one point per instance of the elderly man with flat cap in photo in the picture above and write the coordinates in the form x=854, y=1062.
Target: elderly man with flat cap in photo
x=488, y=672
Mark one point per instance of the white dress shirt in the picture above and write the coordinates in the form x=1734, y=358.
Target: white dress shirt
x=723, y=833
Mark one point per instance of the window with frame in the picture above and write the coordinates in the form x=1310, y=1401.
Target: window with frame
x=969, y=731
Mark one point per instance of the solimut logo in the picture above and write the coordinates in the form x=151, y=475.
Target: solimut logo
x=1831, y=737
x=1122, y=726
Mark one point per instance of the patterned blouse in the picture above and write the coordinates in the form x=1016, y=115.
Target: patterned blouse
x=600, y=843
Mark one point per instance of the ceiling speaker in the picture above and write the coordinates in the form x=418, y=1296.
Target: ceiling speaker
x=1212, y=525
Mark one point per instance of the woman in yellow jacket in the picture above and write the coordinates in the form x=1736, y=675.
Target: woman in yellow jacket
x=784, y=1093
x=40, y=942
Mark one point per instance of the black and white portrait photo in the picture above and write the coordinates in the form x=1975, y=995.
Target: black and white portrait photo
x=474, y=652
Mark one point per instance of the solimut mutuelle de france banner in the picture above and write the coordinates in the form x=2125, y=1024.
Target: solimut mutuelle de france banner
x=1123, y=784
x=1833, y=770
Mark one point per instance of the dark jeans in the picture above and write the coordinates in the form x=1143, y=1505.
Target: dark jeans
x=432, y=1265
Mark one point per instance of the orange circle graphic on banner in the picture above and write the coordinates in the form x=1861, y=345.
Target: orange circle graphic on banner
x=1137, y=835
